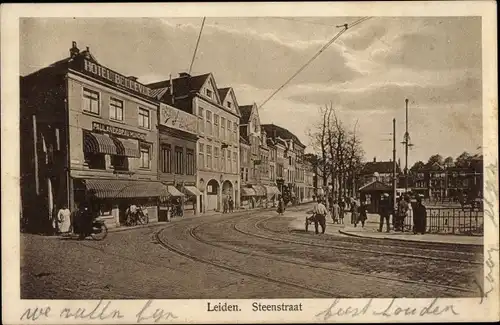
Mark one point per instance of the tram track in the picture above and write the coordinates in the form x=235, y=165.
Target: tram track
x=349, y=246
x=193, y=233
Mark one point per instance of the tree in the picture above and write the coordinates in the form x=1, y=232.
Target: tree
x=417, y=166
x=448, y=161
x=437, y=158
x=463, y=160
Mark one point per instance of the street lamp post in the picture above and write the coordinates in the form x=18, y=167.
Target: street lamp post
x=407, y=144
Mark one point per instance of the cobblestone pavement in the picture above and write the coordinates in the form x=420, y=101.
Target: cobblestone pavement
x=220, y=257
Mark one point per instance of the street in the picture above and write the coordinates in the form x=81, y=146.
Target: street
x=241, y=255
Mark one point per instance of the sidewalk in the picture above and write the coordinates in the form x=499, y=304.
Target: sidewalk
x=371, y=227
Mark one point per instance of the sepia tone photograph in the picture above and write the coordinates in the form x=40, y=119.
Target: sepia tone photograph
x=254, y=163
x=171, y=158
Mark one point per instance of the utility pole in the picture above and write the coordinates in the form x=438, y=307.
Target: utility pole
x=406, y=142
x=394, y=182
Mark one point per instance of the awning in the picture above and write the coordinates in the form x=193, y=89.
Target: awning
x=127, y=147
x=259, y=190
x=272, y=191
x=192, y=191
x=173, y=191
x=98, y=143
x=247, y=191
x=113, y=188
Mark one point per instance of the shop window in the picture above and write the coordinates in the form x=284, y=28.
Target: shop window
x=119, y=162
x=95, y=160
x=166, y=159
x=105, y=208
x=179, y=160
x=144, y=118
x=190, y=163
x=115, y=109
x=201, y=155
x=145, y=159
x=91, y=101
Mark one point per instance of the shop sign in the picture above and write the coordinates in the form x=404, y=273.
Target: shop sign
x=96, y=126
x=177, y=119
x=115, y=78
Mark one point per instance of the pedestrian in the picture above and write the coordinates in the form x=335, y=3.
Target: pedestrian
x=403, y=209
x=342, y=211
x=419, y=217
x=231, y=204
x=225, y=204
x=319, y=214
x=362, y=214
x=385, y=212
x=64, y=219
x=281, y=206
x=85, y=220
x=354, y=212
x=336, y=212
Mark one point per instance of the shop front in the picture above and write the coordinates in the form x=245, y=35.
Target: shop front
x=172, y=205
x=248, y=198
x=260, y=195
x=272, y=193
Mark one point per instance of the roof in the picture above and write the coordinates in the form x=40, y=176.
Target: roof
x=381, y=167
x=275, y=131
x=246, y=112
x=375, y=186
x=223, y=92
x=182, y=85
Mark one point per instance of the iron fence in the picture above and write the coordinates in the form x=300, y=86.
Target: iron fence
x=455, y=221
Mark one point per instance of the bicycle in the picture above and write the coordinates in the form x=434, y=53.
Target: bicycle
x=99, y=230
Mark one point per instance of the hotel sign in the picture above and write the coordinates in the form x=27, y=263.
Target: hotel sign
x=96, y=126
x=177, y=119
x=116, y=78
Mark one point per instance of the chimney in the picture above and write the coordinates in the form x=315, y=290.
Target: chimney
x=73, y=51
x=87, y=53
x=171, y=89
x=184, y=75
x=133, y=78
x=374, y=159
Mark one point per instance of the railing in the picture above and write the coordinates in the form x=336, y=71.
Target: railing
x=455, y=221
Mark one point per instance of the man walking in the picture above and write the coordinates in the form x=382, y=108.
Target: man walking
x=385, y=212
x=319, y=215
x=335, y=212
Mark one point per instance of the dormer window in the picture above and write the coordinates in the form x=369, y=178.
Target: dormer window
x=228, y=104
x=209, y=93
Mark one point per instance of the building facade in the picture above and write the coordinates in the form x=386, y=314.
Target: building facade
x=218, y=117
x=90, y=138
x=177, y=162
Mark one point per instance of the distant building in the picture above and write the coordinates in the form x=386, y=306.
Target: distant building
x=381, y=171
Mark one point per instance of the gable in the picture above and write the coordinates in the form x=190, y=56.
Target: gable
x=231, y=97
x=209, y=90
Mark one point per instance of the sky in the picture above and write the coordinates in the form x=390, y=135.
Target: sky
x=366, y=74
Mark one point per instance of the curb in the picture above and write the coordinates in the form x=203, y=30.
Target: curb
x=343, y=232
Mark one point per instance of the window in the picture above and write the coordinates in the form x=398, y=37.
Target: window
x=179, y=160
x=229, y=136
x=223, y=128
x=190, y=163
x=166, y=159
x=246, y=174
x=228, y=165
x=228, y=104
x=91, y=101
x=235, y=131
x=209, y=157
x=242, y=174
x=119, y=162
x=209, y=122
x=216, y=125
x=201, y=155
x=216, y=158
x=144, y=118
x=255, y=126
x=208, y=92
x=272, y=173
x=145, y=156
x=201, y=122
x=235, y=165
x=223, y=159
x=95, y=161
x=115, y=109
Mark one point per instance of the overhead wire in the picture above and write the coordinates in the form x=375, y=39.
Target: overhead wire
x=345, y=28
x=197, y=43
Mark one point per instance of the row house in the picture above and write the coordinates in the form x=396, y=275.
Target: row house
x=89, y=136
x=218, y=117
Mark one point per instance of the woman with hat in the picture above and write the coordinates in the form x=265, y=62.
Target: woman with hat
x=419, y=217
